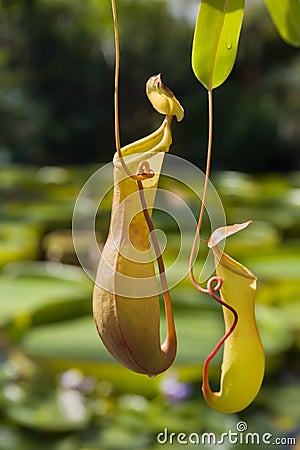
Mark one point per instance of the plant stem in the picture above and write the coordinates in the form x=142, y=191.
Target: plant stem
x=117, y=72
x=205, y=188
x=170, y=340
x=211, y=292
x=210, y=289
x=116, y=98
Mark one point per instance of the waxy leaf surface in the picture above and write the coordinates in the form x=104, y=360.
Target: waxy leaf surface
x=216, y=40
x=286, y=17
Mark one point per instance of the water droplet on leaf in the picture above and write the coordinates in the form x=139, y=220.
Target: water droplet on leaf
x=229, y=45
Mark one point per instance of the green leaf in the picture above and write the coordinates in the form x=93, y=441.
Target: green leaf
x=32, y=293
x=216, y=40
x=286, y=17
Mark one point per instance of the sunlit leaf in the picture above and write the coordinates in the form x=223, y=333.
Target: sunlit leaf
x=216, y=40
x=286, y=17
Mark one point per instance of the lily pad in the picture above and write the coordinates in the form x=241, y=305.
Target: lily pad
x=42, y=294
x=278, y=265
x=279, y=292
x=18, y=241
x=274, y=328
x=292, y=313
x=78, y=340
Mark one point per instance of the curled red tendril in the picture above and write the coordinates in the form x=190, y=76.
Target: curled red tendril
x=212, y=290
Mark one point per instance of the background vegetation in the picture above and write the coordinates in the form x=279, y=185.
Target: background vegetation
x=57, y=77
x=59, y=387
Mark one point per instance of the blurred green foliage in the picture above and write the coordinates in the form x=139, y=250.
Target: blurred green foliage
x=59, y=387
x=56, y=84
x=59, y=384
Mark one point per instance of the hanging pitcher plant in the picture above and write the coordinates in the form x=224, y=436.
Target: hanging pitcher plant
x=215, y=46
x=126, y=299
x=126, y=296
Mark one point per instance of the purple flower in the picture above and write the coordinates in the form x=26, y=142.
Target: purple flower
x=174, y=389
